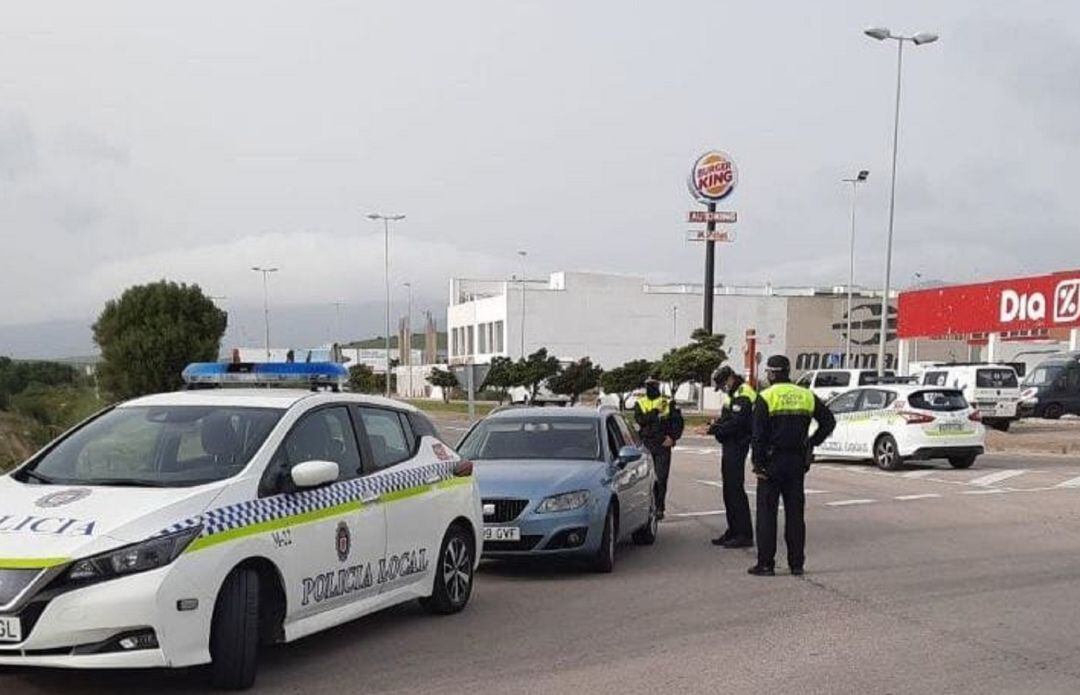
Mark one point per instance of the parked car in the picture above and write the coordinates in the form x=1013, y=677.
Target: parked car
x=826, y=383
x=994, y=389
x=567, y=482
x=891, y=424
x=1052, y=389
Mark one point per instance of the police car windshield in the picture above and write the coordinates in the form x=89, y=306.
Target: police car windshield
x=159, y=446
x=543, y=438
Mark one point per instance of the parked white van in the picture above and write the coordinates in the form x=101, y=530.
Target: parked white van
x=993, y=389
x=826, y=383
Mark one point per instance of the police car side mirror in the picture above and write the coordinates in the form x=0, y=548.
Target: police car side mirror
x=627, y=455
x=314, y=473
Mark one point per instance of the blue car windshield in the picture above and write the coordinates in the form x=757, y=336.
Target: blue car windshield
x=542, y=438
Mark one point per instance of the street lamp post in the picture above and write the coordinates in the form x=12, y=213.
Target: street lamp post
x=881, y=34
x=266, y=304
x=860, y=178
x=337, y=322
x=523, y=255
x=386, y=220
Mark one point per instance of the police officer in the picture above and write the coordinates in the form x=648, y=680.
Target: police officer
x=660, y=424
x=782, y=451
x=733, y=430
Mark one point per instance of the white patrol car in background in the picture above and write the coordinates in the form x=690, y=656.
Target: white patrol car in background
x=892, y=423
x=191, y=527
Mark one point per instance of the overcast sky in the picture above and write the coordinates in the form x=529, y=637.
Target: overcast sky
x=141, y=140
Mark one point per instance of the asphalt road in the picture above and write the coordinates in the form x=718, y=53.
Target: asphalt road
x=926, y=581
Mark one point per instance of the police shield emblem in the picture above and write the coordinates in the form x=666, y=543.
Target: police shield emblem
x=59, y=499
x=343, y=541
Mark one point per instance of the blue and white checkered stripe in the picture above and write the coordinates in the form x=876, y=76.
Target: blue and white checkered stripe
x=257, y=511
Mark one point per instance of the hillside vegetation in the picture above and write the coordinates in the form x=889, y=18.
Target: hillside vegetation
x=38, y=401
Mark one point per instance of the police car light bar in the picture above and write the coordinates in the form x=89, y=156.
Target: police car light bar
x=265, y=373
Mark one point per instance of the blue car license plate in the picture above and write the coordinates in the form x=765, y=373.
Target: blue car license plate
x=502, y=533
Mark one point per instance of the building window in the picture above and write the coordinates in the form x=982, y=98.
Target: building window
x=499, y=337
x=471, y=342
x=483, y=339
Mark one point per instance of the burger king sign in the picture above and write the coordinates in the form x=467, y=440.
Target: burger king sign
x=713, y=176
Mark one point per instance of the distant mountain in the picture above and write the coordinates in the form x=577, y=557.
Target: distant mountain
x=47, y=340
x=295, y=326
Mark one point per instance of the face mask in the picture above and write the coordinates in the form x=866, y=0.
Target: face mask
x=652, y=391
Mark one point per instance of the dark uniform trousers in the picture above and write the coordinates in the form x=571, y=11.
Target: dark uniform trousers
x=785, y=481
x=733, y=475
x=661, y=456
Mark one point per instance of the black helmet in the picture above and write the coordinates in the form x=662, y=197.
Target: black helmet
x=778, y=363
x=720, y=375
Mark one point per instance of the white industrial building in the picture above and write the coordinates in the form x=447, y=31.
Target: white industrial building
x=614, y=318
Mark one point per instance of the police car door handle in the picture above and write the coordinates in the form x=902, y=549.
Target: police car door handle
x=369, y=497
x=432, y=479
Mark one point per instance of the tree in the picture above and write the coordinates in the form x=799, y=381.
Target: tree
x=534, y=370
x=362, y=379
x=695, y=361
x=575, y=379
x=501, y=377
x=151, y=333
x=622, y=380
x=444, y=380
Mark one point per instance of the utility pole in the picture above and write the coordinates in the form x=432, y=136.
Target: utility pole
x=860, y=178
x=266, y=305
x=523, y=255
x=337, y=322
x=406, y=351
x=386, y=220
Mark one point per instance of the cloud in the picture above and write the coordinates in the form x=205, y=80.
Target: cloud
x=315, y=267
x=18, y=147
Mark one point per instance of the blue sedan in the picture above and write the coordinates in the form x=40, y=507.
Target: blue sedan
x=562, y=482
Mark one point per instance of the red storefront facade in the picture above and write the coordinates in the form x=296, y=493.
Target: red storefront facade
x=1038, y=307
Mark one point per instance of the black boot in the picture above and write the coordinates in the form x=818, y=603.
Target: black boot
x=762, y=571
x=739, y=542
x=724, y=538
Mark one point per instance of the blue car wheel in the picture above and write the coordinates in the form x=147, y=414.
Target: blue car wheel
x=605, y=555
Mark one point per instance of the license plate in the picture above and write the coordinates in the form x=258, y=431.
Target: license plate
x=502, y=533
x=950, y=427
x=10, y=630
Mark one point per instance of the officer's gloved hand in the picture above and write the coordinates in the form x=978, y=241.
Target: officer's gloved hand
x=760, y=472
x=809, y=458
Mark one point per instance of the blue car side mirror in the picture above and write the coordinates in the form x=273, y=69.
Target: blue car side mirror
x=627, y=455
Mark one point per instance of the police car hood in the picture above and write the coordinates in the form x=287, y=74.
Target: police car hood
x=536, y=478
x=59, y=521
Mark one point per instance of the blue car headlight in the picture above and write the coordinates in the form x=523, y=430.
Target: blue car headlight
x=565, y=502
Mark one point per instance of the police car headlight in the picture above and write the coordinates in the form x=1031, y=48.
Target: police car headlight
x=564, y=502
x=140, y=557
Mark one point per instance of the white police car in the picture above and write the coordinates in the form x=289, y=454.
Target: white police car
x=191, y=527
x=890, y=424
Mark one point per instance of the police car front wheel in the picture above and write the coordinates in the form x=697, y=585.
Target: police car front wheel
x=234, y=633
x=453, y=574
